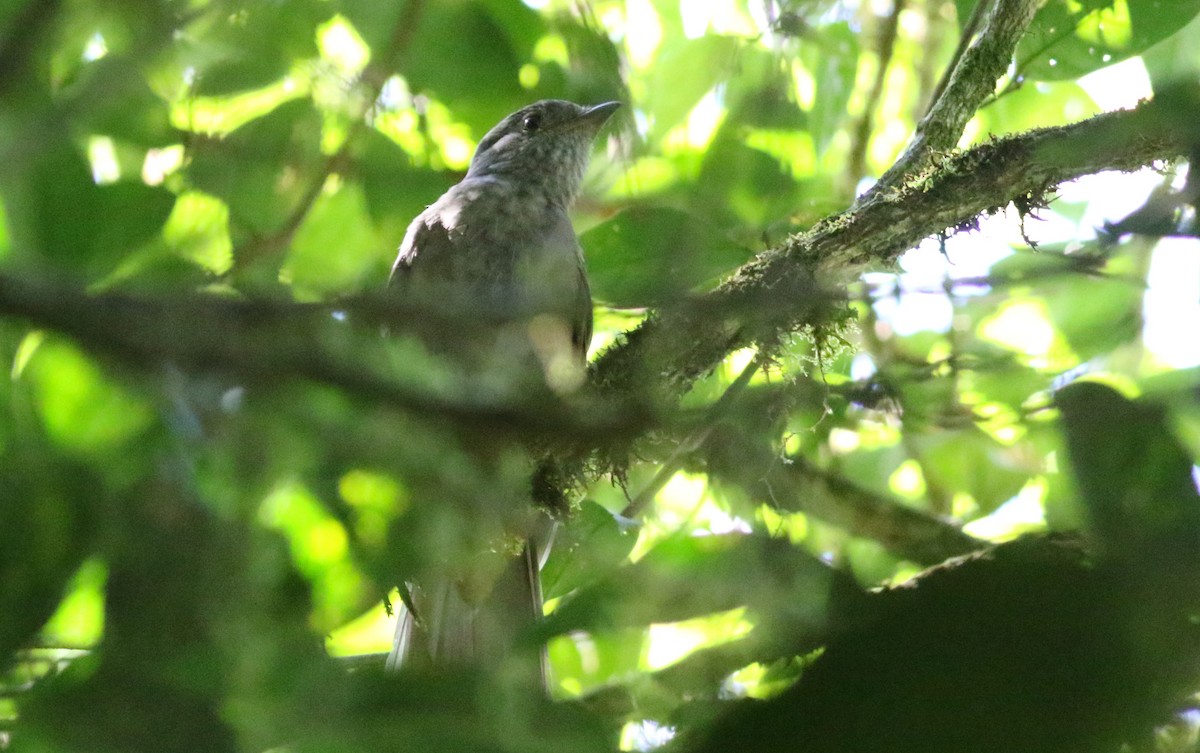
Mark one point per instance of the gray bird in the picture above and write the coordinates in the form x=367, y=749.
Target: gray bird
x=501, y=241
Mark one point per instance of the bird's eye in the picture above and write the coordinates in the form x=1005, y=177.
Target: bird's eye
x=531, y=122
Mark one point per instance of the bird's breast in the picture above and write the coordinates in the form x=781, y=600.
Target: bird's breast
x=511, y=244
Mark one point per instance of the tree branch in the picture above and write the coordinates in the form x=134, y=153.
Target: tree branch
x=910, y=533
x=267, y=341
x=786, y=287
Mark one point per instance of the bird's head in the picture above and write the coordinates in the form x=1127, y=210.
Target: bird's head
x=543, y=146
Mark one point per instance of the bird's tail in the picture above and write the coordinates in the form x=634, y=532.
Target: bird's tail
x=441, y=627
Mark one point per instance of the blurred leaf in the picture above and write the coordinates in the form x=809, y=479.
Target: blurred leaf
x=1009, y=383
x=112, y=98
x=464, y=55
x=79, y=620
x=1096, y=315
x=835, y=71
x=44, y=530
x=81, y=408
x=335, y=248
x=56, y=211
x=1174, y=59
x=320, y=550
x=128, y=30
x=375, y=22
x=1038, y=105
x=763, y=95
x=592, y=661
x=744, y=187
x=521, y=24
x=198, y=230
x=447, y=711
x=873, y=467
x=395, y=190
x=591, y=546
x=687, y=70
x=720, y=573
x=263, y=169
x=972, y=462
x=1135, y=480
x=252, y=44
x=647, y=254
x=595, y=72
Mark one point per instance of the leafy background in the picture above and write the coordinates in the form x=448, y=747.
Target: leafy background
x=200, y=518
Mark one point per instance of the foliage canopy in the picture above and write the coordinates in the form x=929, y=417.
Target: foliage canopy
x=841, y=299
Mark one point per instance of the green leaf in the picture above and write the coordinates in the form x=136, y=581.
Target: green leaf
x=1096, y=315
x=1134, y=478
x=762, y=95
x=744, y=188
x=335, y=249
x=649, y=254
x=1007, y=382
x=1069, y=38
x=252, y=45
x=80, y=408
x=594, y=72
x=374, y=21
x=112, y=98
x=972, y=462
x=835, y=72
x=395, y=190
x=58, y=213
x=1174, y=59
x=598, y=659
x=591, y=546
x=1039, y=106
x=263, y=169
x=686, y=577
x=686, y=70
x=43, y=532
x=467, y=59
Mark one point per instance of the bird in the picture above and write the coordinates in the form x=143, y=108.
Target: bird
x=501, y=242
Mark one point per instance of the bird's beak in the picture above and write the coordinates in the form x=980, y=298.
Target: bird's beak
x=598, y=114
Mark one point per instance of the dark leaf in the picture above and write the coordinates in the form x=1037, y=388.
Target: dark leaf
x=647, y=254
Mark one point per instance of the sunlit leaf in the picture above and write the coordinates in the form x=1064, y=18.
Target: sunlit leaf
x=335, y=248
x=262, y=169
x=686, y=71
x=81, y=408
x=595, y=544
x=1068, y=38
x=252, y=45
x=463, y=54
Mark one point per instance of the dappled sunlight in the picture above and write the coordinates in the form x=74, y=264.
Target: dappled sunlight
x=838, y=391
x=669, y=643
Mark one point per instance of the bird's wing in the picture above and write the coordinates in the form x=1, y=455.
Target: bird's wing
x=582, y=323
x=563, y=244
x=426, y=238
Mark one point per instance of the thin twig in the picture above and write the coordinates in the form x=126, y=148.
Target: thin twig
x=915, y=535
x=695, y=440
x=258, y=247
x=888, y=33
x=969, y=30
x=970, y=81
